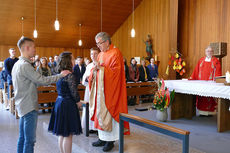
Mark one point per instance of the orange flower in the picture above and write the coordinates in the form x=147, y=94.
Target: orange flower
x=162, y=98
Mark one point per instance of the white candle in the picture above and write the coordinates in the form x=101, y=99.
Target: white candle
x=227, y=77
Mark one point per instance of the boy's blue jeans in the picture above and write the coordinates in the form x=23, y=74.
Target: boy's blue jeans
x=27, y=132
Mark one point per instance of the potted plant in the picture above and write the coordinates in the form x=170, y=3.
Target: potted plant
x=162, y=100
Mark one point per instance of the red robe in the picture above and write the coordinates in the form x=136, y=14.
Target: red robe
x=206, y=71
x=114, y=85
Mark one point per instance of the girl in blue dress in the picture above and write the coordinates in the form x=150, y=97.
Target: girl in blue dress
x=65, y=119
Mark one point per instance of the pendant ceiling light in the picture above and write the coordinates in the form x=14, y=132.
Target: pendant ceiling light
x=35, y=18
x=56, y=23
x=80, y=41
x=101, y=15
x=133, y=30
x=22, y=19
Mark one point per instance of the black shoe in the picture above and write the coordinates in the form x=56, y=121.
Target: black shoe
x=92, y=131
x=205, y=115
x=108, y=146
x=98, y=143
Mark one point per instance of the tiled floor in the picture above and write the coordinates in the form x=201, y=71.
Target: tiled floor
x=140, y=140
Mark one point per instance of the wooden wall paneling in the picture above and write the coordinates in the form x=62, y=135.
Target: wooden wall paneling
x=173, y=27
x=200, y=23
x=151, y=17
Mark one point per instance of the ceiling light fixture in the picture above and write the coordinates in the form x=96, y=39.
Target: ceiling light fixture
x=22, y=19
x=35, y=18
x=56, y=23
x=133, y=30
x=80, y=41
x=101, y=15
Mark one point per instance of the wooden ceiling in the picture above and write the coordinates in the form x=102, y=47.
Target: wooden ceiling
x=70, y=14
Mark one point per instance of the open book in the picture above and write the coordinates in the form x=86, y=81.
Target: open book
x=219, y=77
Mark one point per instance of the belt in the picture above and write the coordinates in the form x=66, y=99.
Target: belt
x=64, y=97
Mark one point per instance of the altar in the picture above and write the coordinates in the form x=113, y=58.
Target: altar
x=184, y=104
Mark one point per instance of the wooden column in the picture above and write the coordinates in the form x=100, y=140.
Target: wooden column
x=223, y=117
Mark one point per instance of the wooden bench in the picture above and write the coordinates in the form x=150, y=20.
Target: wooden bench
x=81, y=91
x=5, y=94
x=141, y=88
x=11, y=101
x=133, y=89
x=1, y=96
x=1, y=93
x=47, y=94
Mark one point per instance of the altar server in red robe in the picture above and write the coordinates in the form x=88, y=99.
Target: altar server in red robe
x=207, y=68
x=108, y=95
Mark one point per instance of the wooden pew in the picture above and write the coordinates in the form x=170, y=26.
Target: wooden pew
x=11, y=101
x=1, y=96
x=47, y=94
x=81, y=91
x=133, y=89
x=1, y=93
x=5, y=98
x=141, y=88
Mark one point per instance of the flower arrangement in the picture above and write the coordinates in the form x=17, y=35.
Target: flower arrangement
x=178, y=63
x=163, y=98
